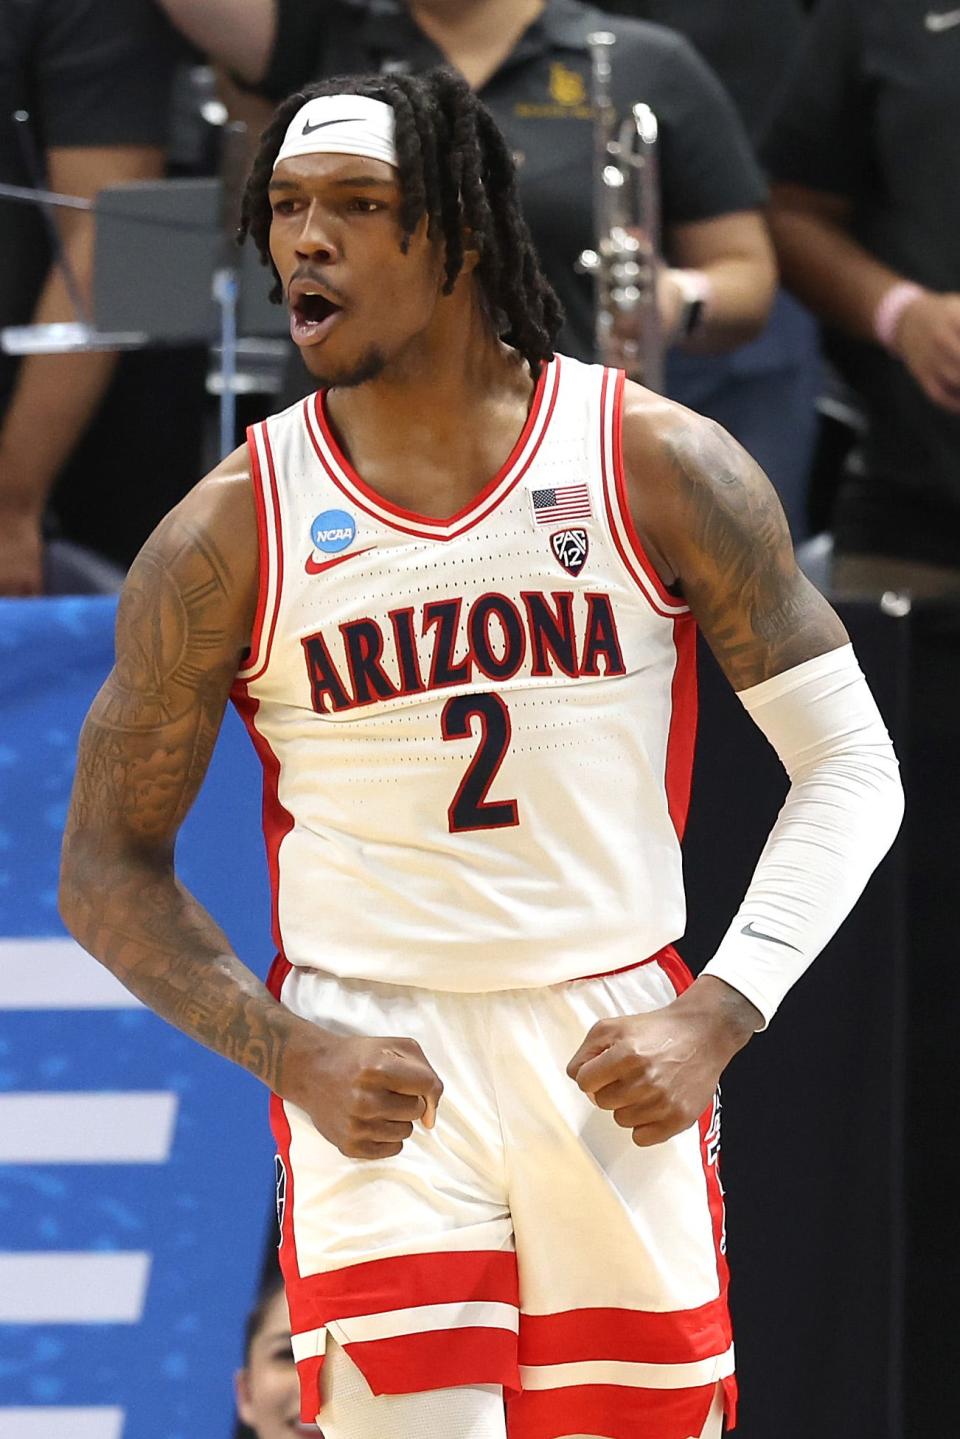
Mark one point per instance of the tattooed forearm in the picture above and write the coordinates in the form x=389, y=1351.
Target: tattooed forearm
x=170, y=953
x=144, y=750
x=759, y=614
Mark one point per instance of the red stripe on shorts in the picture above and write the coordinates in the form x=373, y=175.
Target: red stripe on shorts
x=681, y=979
x=634, y=1336
x=409, y=1363
x=617, y=1411
x=438, y=1359
x=404, y=1282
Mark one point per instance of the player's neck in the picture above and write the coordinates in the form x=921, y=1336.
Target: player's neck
x=445, y=380
x=432, y=429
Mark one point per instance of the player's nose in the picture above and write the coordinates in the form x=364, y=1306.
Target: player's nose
x=316, y=240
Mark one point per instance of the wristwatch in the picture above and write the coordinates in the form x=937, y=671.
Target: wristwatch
x=695, y=290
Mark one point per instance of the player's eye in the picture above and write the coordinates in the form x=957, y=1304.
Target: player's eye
x=363, y=205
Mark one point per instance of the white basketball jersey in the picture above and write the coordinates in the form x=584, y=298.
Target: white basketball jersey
x=477, y=733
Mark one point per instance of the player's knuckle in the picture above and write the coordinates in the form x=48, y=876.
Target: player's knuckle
x=377, y=1070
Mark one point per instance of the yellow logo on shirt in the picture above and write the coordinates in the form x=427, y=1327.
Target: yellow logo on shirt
x=567, y=87
x=567, y=98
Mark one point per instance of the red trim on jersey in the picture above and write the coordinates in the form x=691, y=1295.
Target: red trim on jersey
x=262, y=551
x=618, y=1411
x=682, y=735
x=426, y=526
x=277, y=821
x=256, y=658
x=438, y=1359
x=620, y=481
x=614, y=501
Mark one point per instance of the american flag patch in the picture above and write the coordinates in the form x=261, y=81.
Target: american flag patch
x=565, y=502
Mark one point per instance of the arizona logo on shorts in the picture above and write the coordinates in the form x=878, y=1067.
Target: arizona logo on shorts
x=281, y=1193
x=570, y=548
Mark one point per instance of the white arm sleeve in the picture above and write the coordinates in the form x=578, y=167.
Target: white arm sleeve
x=840, y=816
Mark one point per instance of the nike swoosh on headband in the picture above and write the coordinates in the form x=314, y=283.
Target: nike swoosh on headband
x=942, y=20
x=308, y=129
x=756, y=934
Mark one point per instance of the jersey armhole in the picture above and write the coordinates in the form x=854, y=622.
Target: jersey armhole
x=628, y=543
x=269, y=552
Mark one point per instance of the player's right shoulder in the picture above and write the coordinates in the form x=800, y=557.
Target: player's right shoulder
x=204, y=554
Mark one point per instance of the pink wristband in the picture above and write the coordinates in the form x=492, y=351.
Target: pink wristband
x=886, y=317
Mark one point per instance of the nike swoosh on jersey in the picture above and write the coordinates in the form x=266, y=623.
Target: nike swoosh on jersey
x=312, y=567
x=756, y=934
x=942, y=20
x=308, y=129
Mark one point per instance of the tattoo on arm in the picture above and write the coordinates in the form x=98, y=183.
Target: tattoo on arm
x=759, y=614
x=144, y=751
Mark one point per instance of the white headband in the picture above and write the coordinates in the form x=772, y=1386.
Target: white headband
x=341, y=125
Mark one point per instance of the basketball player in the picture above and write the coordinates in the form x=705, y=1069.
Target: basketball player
x=454, y=595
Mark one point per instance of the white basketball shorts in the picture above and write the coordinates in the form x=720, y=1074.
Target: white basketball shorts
x=525, y=1240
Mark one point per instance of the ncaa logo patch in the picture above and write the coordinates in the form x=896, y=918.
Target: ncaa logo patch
x=333, y=531
x=281, y=1194
x=570, y=547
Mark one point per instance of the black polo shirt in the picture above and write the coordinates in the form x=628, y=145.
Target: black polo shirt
x=872, y=112
x=749, y=43
x=540, y=97
x=88, y=76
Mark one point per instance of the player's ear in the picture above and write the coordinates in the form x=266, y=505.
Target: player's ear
x=241, y=1388
x=471, y=252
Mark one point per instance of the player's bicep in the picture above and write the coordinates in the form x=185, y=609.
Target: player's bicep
x=735, y=561
x=149, y=736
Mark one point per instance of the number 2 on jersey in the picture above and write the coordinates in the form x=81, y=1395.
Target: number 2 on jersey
x=470, y=808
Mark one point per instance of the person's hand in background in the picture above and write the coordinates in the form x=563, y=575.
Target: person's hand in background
x=927, y=339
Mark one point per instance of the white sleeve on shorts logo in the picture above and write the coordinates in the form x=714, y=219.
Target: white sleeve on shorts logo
x=477, y=733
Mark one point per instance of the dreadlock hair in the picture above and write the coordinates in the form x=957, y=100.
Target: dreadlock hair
x=456, y=169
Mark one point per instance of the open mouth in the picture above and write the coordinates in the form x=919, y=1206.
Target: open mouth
x=312, y=316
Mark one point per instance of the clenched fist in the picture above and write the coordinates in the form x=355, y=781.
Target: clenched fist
x=365, y=1094
x=658, y=1072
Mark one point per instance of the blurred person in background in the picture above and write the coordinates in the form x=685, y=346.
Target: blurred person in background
x=268, y=1395
x=865, y=214
x=95, y=81
x=765, y=392
x=865, y=155
x=529, y=62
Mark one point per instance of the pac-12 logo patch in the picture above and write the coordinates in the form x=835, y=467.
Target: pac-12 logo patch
x=333, y=531
x=281, y=1194
x=570, y=548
